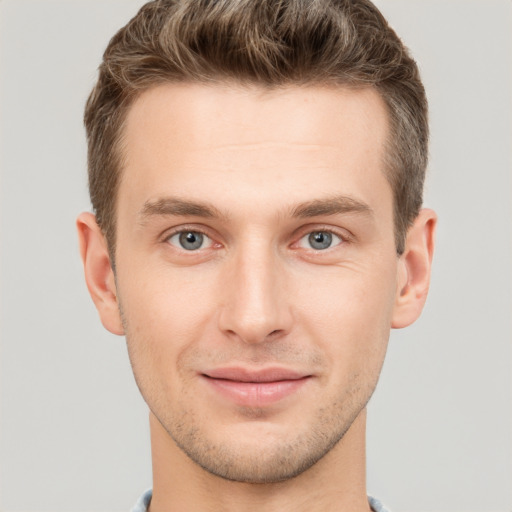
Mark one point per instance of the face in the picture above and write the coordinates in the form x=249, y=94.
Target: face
x=256, y=269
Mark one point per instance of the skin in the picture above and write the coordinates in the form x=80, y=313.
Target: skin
x=256, y=172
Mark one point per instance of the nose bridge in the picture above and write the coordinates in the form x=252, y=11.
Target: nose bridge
x=255, y=302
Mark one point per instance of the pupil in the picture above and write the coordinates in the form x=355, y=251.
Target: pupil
x=191, y=241
x=320, y=240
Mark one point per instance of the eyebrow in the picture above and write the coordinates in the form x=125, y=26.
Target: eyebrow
x=173, y=206
x=177, y=207
x=331, y=206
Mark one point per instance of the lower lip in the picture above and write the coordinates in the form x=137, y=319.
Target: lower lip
x=255, y=394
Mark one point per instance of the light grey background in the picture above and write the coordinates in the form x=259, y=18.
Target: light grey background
x=73, y=430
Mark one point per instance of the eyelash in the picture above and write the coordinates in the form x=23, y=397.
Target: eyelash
x=343, y=237
x=185, y=229
x=331, y=235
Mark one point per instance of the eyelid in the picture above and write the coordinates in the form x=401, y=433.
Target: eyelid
x=206, y=241
x=188, y=228
x=345, y=235
x=307, y=235
x=342, y=233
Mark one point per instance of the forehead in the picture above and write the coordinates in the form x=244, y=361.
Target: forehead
x=189, y=139
x=189, y=110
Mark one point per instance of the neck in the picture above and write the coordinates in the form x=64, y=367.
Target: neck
x=336, y=483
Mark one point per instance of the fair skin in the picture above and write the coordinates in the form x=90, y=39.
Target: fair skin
x=257, y=281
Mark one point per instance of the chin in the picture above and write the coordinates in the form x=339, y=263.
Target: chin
x=258, y=453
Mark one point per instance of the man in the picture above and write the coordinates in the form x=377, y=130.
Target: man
x=256, y=173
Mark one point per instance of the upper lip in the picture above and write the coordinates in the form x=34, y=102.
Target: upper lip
x=269, y=374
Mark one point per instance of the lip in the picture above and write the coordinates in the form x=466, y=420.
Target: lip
x=254, y=387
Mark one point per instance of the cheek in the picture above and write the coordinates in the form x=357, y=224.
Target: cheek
x=162, y=300
x=350, y=313
x=164, y=314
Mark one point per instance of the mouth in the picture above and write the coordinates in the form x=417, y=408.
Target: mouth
x=254, y=388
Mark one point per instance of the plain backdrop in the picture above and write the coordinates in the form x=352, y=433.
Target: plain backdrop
x=73, y=429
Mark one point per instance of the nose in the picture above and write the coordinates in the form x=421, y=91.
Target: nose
x=256, y=305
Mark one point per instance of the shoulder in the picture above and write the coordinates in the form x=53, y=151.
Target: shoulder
x=377, y=505
x=143, y=503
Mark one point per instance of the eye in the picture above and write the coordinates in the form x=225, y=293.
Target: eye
x=190, y=240
x=319, y=240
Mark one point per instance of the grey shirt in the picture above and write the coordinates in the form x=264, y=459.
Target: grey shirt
x=143, y=503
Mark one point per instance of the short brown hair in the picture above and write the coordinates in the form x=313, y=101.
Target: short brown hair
x=268, y=42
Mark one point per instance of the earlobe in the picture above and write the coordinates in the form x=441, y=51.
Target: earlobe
x=414, y=270
x=99, y=275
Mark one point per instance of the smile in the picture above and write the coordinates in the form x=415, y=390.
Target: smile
x=254, y=388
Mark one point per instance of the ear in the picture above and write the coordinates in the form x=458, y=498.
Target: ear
x=414, y=270
x=99, y=275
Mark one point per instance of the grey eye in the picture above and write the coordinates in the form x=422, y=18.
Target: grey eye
x=190, y=240
x=319, y=240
